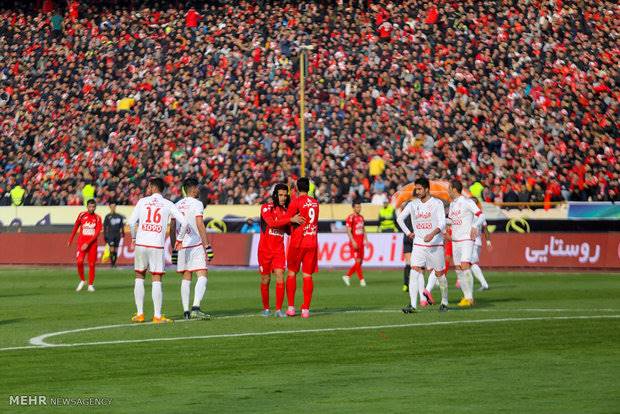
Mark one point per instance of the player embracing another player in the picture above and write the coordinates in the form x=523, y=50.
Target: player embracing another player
x=464, y=218
x=149, y=223
x=303, y=247
x=274, y=223
x=428, y=222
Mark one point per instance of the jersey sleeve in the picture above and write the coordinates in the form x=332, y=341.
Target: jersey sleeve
x=406, y=212
x=440, y=215
x=348, y=222
x=134, y=218
x=270, y=218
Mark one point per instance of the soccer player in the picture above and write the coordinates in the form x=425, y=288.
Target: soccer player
x=89, y=225
x=429, y=222
x=196, y=249
x=274, y=223
x=464, y=217
x=113, y=231
x=148, y=223
x=303, y=247
x=407, y=247
x=475, y=257
x=357, y=238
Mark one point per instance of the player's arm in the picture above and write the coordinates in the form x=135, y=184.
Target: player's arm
x=406, y=212
x=121, y=230
x=173, y=231
x=350, y=234
x=365, y=234
x=106, y=225
x=273, y=221
x=181, y=219
x=487, y=233
x=76, y=226
x=478, y=219
x=133, y=221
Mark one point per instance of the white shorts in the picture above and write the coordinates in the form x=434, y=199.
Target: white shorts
x=430, y=257
x=192, y=259
x=462, y=251
x=149, y=258
x=475, y=254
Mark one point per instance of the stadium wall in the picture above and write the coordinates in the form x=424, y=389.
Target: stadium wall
x=509, y=250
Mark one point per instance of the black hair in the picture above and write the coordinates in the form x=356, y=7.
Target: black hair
x=274, y=195
x=158, y=183
x=190, y=182
x=91, y=201
x=457, y=185
x=423, y=181
x=303, y=185
x=356, y=202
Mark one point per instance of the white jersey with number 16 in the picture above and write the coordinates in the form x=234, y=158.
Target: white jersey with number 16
x=149, y=220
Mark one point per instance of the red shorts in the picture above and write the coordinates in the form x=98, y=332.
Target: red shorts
x=448, y=248
x=304, y=257
x=359, y=252
x=268, y=262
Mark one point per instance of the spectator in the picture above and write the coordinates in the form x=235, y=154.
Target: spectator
x=250, y=226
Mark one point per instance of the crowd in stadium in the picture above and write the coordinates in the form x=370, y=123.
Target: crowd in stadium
x=520, y=96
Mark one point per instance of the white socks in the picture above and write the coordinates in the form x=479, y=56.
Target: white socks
x=185, y=287
x=432, y=279
x=443, y=286
x=199, y=290
x=414, y=287
x=467, y=283
x=478, y=274
x=421, y=286
x=158, y=297
x=138, y=294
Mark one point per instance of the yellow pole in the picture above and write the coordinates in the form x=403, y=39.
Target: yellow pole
x=302, y=112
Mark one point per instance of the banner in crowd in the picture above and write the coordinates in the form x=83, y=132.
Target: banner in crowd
x=594, y=210
x=385, y=250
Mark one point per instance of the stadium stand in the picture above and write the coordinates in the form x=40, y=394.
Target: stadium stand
x=522, y=97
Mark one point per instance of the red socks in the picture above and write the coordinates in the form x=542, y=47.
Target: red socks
x=91, y=273
x=360, y=274
x=279, y=295
x=80, y=267
x=352, y=269
x=308, y=288
x=264, y=292
x=291, y=287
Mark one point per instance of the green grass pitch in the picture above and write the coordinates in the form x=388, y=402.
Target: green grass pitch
x=536, y=342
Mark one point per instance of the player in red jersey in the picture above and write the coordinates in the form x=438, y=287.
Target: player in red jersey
x=357, y=238
x=303, y=247
x=90, y=226
x=275, y=222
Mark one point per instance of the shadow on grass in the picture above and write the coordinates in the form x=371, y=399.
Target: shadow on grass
x=9, y=321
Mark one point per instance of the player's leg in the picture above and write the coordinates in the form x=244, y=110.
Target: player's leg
x=197, y=263
x=278, y=265
x=186, y=286
x=265, y=268
x=430, y=285
x=359, y=260
x=347, y=278
x=309, y=266
x=436, y=262
x=140, y=266
x=462, y=256
x=79, y=256
x=417, y=264
x=294, y=265
x=156, y=267
x=407, y=246
x=113, y=255
x=92, y=260
x=475, y=268
x=421, y=296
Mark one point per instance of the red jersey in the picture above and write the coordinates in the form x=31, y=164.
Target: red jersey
x=306, y=235
x=90, y=226
x=273, y=224
x=355, y=222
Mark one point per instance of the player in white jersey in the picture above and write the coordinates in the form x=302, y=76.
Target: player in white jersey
x=148, y=223
x=192, y=258
x=464, y=218
x=475, y=257
x=428, y=221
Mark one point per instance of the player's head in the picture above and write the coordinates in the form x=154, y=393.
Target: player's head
x=357, y=206
x=91, y=205
x=113, y=207
x=421, y=187
x=191, y=187
x=303, y=185
x=280, y=196
x=455, y=189
x=156, y=185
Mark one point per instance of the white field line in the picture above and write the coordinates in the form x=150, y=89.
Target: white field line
x=40, y=343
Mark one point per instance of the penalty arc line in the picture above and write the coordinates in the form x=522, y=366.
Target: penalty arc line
x=302, y=331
